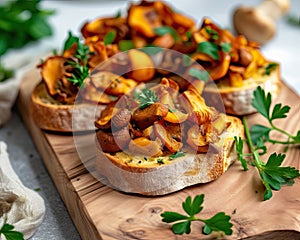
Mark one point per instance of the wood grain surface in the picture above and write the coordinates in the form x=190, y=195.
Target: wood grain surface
x=100, y=212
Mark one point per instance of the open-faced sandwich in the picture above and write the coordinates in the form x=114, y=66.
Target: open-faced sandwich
x=235, y=64
x=163, y=138
x=65, y=78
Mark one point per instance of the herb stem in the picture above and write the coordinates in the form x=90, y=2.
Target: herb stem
x=280, y=130
x=282, y=142
x=255, y=153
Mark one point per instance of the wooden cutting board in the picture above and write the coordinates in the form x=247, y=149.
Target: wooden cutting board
x=100, y=212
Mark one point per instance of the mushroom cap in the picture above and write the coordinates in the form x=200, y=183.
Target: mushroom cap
x=253, y=24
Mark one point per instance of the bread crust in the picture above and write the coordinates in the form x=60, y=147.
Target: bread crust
x=155, y=179
x=237, y=100
x=51, y=115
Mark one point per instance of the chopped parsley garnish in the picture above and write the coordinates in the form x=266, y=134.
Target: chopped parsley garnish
x=146, y=98
x=109, y=37
x=177, y=155
x=270, y=67
x=160, y=31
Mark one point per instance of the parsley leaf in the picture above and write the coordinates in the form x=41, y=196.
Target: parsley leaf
x=109, y=37
x=274, y=176
x=261, y=102
x=209, y=48
x=160, y=31
x=279, y=112
x=226, y=47
x=70, y=41
x=219, y=222
x=270, y=67
x=199, y=74
x=239, y=144
x=259, y=131
x=7, y=231
x=125, y=45
x=212, y=33
x=146, y=98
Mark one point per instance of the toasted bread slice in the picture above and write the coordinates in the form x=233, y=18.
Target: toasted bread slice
x=237, y=100
x=52, y=115
x=162, y=175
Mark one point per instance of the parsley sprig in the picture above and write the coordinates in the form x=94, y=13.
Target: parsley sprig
x=9, y=233
x=272, y=174
x=146, y=98
x=219, y=222
x=262, y=103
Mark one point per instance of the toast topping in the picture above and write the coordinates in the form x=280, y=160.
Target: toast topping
x=160, y=121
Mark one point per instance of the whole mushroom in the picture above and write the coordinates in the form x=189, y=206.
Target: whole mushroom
x=259, y=23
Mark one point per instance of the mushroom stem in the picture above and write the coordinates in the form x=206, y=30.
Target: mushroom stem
x=274, y=8
x=258, y=23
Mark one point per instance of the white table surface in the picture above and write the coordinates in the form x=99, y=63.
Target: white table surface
x=70, y=15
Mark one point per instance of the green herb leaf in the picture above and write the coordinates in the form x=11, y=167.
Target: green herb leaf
x=125, y=45
x=219, y=222
x=212, y=33
x=270, y=67
x=7, y=231
x=193, y=207
x=22, y=22
x=170, y=217
x=226, y=47
x=177, y=155
x=146, y=98
x=209, y=48
x=261, y=102
x=70, y=41
x=202, y=75
x=160, y=161
x=189, y=35
x=182, y=227
x=79, y=73
x=239, y=144
x=259, y=131
x=297, y=137
x=293, y=20
x=275, y=176
x=160, y=31
x=279, y=112
x=109, y=37
x=119, y=14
